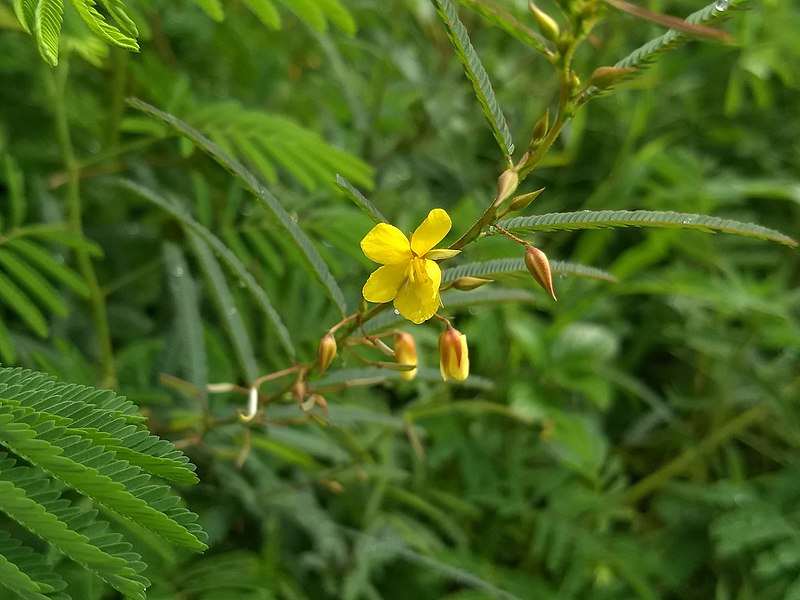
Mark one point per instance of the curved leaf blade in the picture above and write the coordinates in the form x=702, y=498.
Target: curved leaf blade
x=297, y=235
x=590, y=219
x=47, y=18
x=476, y=74
x=360, y=200
x=95, y=21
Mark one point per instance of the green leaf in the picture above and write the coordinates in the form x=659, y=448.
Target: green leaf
x=46, y=262
x=188, y=319
x=116, y=8
x=296, y=235
x=95, y=21
x=228, y=257
x=30, y=278
x=8, y=352
x=226, y=306
x=47, y=28
x=18, y=582
x=589, y=219
x=358, y=198
x=477, y=75
x=491, y=269
x=308, y=11
x=34, y=565
x=213, y=8
x=500, y=17
x=24, y=9
x=15, y=299
x=265, y=11
x=339, y=15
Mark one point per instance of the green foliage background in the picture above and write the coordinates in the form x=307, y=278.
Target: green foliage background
x=637, y=439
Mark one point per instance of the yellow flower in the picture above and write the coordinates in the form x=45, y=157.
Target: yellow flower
x=409, y=275
x=453, y=355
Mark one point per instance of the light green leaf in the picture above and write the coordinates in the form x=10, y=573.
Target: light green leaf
x=308, y=11
x=116, y=8
x=24, y=9
x=213, y=8
x=265, y=11
x=47, y=263
x=95, y=21
x=47, y=28
x=296, y=235
x=476, y=74
x=502, y=18
x=589, y=219
x=358, y=198
x=30, y=278
x=16, y=300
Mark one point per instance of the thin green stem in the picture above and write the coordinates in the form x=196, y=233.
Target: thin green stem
x=56, y=81
x=684, y=460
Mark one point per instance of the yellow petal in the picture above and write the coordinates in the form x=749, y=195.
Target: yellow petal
x=386, y=244
x=430, y=232
x=383, y=284
x=417, y=301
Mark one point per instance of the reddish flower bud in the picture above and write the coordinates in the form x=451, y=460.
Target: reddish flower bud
x=453, y=355
x=405, y=351
x=539, y=267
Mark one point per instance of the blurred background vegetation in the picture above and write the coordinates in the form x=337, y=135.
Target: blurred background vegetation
x=636, y=439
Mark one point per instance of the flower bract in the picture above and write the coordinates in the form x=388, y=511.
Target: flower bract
x=409, y=276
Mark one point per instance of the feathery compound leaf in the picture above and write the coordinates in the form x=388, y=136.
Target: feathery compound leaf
x=358, y=198
x=672, y=39
x=476, y=74
x=516, y=266
x=297, y=235
x=116, y=8
x=228, y=257
x=589, y=219
x=226, y=307
x=47, y=28
x=32, y=502
x=34, y=565
x=188, y=321
x=95, y=21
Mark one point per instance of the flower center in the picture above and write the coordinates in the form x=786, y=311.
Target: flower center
x=416, y=270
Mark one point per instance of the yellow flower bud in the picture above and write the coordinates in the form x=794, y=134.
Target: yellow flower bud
x=546, y=23
x=405, y=351
x=539, y=267
x=453, y=355
x=326, y=352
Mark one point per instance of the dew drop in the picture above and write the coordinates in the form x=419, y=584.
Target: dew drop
x=177, y=272
x=722, y=5
x=397, y=312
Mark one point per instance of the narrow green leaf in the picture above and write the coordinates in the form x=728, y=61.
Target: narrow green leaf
x=339, y=15
x=15, y=299
x=188, y=318
x=226, y=306
x=308, y=12
x=30, y=278
x=213, y=8
x=298, y=237
x=47, y=28
x=116, y=8
x=265, y=11
x=359, y=200
x=476, y=75
x=233, y=263
x=95, y=21
x=502, y=18
x=499, y=267
x=46, y=262
x=589, y=219
x=8, y=352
